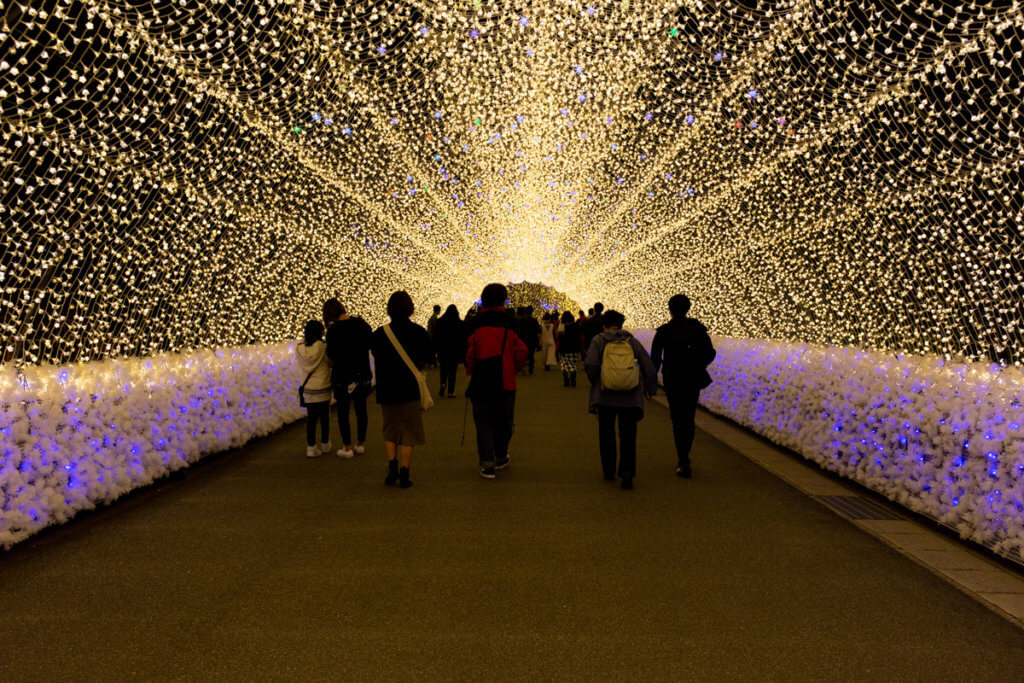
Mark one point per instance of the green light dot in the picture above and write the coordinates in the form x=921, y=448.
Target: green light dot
x=674, y=32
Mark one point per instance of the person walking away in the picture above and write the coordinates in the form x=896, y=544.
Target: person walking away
x=547, y=342
x=348, y=348
x=570, y=345
x=592, y=327
x=398, y=389
x=621, y=376
x=316, y=387
x=682, y=350
x=450, y=342
x=493, y=357
x=432, y=331
x=530, y=334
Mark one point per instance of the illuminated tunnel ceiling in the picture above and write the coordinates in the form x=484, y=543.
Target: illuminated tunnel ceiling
x=186, y=174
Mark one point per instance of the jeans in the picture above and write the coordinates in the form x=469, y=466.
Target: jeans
x=682, y=407
x=627, y=417
x=359, y=403
x=448, y=370
x=494, y=419
x=318, y=412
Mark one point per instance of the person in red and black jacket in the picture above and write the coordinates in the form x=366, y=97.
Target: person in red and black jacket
x=494, y=356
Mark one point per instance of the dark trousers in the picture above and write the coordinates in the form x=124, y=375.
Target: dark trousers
x=682, y=407
x=494, y=419
x=531, y=358
x=448, y=370
x=359, y=403
x=318, y=412
x=627, y=417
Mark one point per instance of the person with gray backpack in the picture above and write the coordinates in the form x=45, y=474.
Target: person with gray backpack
x=621, y=376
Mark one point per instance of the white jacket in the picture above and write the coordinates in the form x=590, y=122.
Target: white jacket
x=314, y=359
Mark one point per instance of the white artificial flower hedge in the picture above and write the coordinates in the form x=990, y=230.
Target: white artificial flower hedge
x=76, y=436
x=945, y=439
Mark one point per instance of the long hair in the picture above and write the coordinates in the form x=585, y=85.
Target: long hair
x=313, y=333
x=450, y=313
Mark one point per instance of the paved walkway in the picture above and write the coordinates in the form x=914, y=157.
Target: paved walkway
x=261, y=564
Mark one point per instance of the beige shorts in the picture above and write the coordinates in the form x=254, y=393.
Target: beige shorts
x=403, y=423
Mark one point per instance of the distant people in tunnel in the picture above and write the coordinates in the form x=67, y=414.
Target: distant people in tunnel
x=493, y=357
x=682, y=350
x=432, y=331
x=529, y=332
x=621, y=375
x=348, y=348
x=570, y=346
x=400, y=350
x=450, y=343
x=592, y=326
x=547, y=341
x=315, y=390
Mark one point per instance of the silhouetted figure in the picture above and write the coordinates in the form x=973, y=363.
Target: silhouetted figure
x=529, y=332
x=570, y=347
x=621, y=374
x=682, y=350
x=432, y=331
x=348, y=348
x=450, y=342
x=398, y=390
x=547, y=342
x=494, y=355
x=315, y=387
x=592, y=326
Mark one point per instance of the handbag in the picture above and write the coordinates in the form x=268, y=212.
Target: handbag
x=487, y=380
x=302, y=387
x=426, y=400
x=359, y=386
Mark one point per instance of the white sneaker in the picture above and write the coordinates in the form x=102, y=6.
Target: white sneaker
x=345, y=452
x=325, y=448
x=313, y=452
x=360, y=449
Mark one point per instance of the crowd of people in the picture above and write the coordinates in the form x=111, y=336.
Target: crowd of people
x=496, y=345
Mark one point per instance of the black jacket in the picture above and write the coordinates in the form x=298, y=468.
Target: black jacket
x=570, y=339
x=682, y=350
x=348, y=347
x=395, y=382
x=450, y=339
x=592, y=326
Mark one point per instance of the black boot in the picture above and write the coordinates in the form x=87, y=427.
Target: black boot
x=565, y=379
x=403, y=478
x=392, y=473
x=572, y=379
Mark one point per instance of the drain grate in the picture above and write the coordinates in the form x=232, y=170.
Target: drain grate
x=857, y=507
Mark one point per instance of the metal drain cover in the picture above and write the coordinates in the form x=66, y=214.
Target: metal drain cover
x=858, y=507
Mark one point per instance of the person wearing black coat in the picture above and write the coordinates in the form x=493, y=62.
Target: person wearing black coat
x=570, y=348
x=592, y=327
x=398, y=390
x=348, y=347
x=682, y=350
x=450, y=343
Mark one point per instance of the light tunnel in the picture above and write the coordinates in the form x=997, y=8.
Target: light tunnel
x=836, y=185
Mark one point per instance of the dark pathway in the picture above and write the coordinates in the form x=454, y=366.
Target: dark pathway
x=261, y=564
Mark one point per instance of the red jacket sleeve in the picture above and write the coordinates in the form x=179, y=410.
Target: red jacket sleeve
x=519, y=352
x=470, y=353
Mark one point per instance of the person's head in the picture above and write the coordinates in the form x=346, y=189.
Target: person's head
x=400, y=306
x=679, y=305
x=529, y=311
x=494, y=294
x=590, y=312
x=598, y=307
x=313, y=333
x=582, y=314
x=612, y=320
x=567, y=318
x=333, y=310
x=437, y=309
x=452, y=312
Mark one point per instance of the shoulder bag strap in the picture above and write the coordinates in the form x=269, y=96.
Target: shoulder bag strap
x=401, y=351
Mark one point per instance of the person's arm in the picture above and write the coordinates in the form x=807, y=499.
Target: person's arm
x=470, y=352
x=657, y=349
x=592, y=362
x=520, y=353
x=709, y=350
x=650, y=372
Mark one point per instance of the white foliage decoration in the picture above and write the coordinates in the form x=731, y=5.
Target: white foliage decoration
x=76, y=436
x=943, y=438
